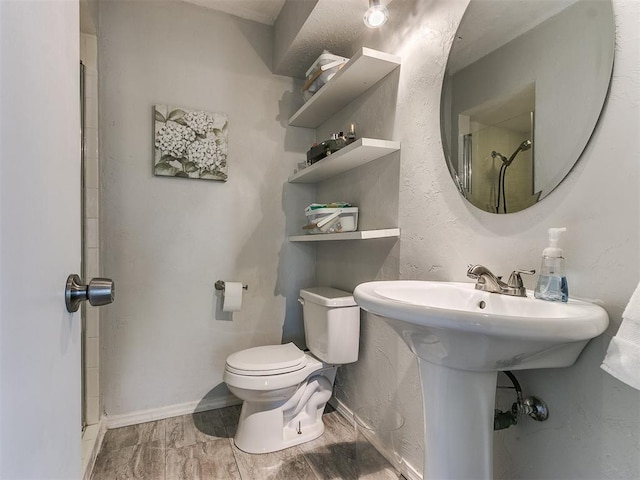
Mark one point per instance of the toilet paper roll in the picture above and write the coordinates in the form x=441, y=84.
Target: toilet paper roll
x=232, y=300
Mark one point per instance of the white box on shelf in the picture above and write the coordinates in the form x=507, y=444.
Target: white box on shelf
x=332, y=220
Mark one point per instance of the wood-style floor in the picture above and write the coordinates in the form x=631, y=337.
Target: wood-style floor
x=200, y=447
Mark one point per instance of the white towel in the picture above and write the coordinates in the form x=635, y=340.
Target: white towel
x=623, y=355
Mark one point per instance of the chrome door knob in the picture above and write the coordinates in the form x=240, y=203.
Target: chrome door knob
x=99, y=291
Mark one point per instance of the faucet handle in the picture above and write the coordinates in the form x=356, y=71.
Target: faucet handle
x=515, y=280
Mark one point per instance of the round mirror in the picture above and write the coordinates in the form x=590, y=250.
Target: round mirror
x=523, y=89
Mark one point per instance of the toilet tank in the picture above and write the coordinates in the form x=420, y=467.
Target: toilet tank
x=331, y=324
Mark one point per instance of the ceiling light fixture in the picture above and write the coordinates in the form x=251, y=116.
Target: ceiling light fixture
x=376, y=16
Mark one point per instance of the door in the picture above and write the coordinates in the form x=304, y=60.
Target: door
x=40, y=410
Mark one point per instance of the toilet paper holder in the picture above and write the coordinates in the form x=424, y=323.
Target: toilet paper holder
x=219, y=285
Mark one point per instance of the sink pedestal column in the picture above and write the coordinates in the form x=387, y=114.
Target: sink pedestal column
x=458, y=417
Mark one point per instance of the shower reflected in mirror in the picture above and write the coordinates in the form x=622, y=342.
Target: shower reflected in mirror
x=523, y=147
x=537, y=83
x=485, y=133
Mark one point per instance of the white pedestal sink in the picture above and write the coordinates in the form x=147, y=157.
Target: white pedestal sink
x=462, y=338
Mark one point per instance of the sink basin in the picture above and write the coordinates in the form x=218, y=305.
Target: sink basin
x=455, y=325
x=462, y=338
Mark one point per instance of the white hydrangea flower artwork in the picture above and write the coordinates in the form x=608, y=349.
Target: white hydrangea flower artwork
x=199, y=122
x=190, y=143
x=206, y=154
x=173, y=139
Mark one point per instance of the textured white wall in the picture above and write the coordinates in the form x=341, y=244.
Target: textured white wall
x=166, y=241
x=594, y=428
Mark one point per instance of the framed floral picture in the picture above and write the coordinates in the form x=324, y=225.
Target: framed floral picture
x=190, y=143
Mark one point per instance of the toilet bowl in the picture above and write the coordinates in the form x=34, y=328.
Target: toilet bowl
x=284, y=389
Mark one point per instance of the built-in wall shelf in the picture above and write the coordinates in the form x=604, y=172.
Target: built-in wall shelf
x=360, y=235
x=363, y=150
x=363, y=71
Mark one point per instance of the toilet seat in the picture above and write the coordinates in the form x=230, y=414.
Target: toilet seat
x=266, y=381
x=267, y=360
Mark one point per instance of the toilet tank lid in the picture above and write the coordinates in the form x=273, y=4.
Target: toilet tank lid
x=328, y=297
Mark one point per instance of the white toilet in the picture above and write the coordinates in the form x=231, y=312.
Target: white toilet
x=285, y=389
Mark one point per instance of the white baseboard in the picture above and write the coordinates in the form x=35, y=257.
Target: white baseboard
x=92, y=438
x=407, y=470
x=153, y=414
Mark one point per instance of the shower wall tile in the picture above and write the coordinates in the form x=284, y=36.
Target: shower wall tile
x=90, y=51
x=91, y=356
x=91, y=178
x=92, y=267
x=89, y=57
x=90, y=84
x=91, y=202
x=92, y=410
x=91, y=112
x=91, y=152
x=92, y=382
x=91, y=233
x=91, y=316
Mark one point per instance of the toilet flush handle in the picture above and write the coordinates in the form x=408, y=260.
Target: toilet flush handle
x=301, y=300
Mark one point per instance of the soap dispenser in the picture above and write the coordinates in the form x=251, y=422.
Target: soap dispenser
x=552, y=283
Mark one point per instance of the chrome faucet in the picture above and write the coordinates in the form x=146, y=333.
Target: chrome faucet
x=488, y=282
